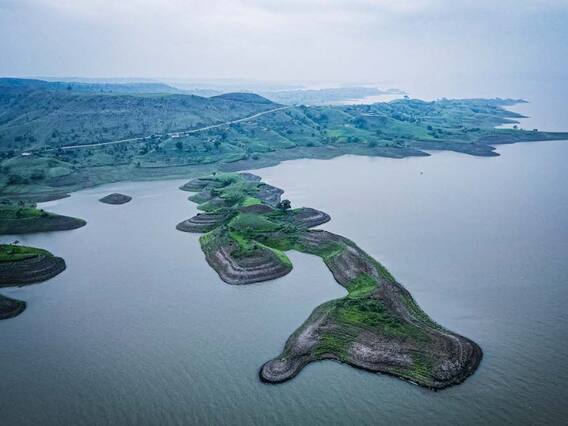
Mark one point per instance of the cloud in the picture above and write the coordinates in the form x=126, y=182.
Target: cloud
x=318, y=40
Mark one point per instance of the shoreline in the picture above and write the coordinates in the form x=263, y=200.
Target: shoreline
x=255, y=165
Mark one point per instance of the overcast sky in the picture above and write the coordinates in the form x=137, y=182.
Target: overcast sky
x=298, y=40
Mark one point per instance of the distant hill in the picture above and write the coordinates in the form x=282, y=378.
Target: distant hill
x=33, y=114
x=88, y=87
x=243, y=97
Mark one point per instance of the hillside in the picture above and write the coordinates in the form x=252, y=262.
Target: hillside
x=53, y=142
x=32, y=118
x=134, y=87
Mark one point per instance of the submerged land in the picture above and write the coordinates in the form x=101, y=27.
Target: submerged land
x=377, y=327
x=55, y=139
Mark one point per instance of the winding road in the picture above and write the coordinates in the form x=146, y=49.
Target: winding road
x=177, y=134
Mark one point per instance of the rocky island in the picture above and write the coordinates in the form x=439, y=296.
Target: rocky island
x=116, y=199
x=24, y=218
x=377, y=327
x=21, y=265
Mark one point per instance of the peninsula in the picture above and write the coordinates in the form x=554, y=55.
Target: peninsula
x=247, y=228
x=26, y=218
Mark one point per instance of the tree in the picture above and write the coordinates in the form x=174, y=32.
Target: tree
x=179, y=145
x=284, y=205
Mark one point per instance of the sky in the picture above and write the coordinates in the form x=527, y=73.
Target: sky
x=350, y=41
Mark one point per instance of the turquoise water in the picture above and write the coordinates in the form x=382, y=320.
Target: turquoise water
x=139, y=329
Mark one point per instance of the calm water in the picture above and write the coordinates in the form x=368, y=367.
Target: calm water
x=139, y=330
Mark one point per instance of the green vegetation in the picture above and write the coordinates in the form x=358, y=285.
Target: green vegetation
x=25, y=218
x=14, y=252
x=377, y=326
x=154, y=142
x=21, y=265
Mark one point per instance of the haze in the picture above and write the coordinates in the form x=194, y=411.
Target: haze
x=361, y=41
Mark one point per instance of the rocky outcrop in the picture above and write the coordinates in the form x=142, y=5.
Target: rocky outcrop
x=21, y=266
x=236, y=265
x=31, y=270
x=116, y=199
x=269, y=194
x=308, y=217
x=198, y=184
x=47, y=223
x=377, y=327
x=202, y=222
x=10, y=308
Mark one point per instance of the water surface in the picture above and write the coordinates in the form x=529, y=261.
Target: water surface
x=139, y=329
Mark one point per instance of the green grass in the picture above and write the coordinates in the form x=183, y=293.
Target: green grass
x=361, y=286
x=280, y=255
x=9, y=212
x=250, y=201
x=333, y=344
x=250, y=224
x=13, y=252
x=47, y=119
x=246, y=246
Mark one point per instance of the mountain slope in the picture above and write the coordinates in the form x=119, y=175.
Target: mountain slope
x=36, y=118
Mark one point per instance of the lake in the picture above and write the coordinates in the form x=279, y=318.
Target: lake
x=140, y=330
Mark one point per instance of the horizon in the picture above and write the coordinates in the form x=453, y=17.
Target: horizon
x=372, y=41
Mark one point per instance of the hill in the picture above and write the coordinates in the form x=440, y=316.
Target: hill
x=56, y=141
x=243, y=97
x=32, y=117
x=76, y=86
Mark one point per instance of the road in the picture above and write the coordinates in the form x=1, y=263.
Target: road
x=178, y=134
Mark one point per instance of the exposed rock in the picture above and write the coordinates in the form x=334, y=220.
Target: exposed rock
x=202, y=222
x=116, y=199
x=24, y=266
x=382, y=330
x=269, y=194
x=29, y=271
x=259, y=264
x=47, y=223
x=308, y=217
x=10, y=308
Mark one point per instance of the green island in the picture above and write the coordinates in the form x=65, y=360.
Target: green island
x=59, y=138
x=378, y=326
x=24, y=218
x=21, y=265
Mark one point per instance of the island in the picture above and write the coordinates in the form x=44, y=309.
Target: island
x=24, y=218
x=21, y=265
x=116, y=199
x=247, y=228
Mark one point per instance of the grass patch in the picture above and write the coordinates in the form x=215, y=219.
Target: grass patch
x=333, y=344
x=361, y=286
x=14, y=253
